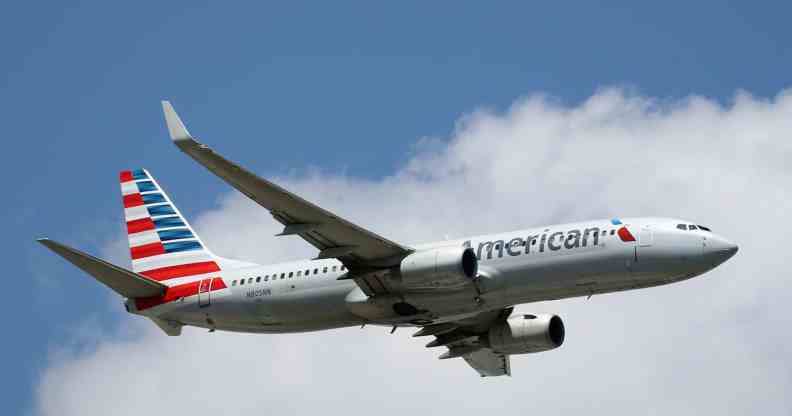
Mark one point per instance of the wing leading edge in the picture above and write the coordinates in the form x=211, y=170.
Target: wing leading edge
x=335, y=237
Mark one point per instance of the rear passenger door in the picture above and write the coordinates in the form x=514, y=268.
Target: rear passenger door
x=204, y=292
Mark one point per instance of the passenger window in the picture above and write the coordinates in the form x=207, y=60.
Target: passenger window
x=316, y=271
x=250, y=280
x=241, y=282
x=233, y=283
x=291, y=274
x=307, y=272
x=691, y=227
x=325, y=270
x=258, y=279
x=681, y=226
x=283, y=276
x=343, y=268
x=334, y=268
x=266, y=278
x=613, y=231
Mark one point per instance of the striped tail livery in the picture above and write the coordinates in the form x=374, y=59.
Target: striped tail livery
x=162, y=244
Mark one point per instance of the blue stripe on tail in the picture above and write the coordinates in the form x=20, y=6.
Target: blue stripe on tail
x=146, y=186
x=161, y=210
x=176, y=234
x=152, y=198
x=166, y=222
x=139, y=174
x=178, y=246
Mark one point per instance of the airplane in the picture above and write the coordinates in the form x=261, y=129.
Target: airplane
x=461, y=292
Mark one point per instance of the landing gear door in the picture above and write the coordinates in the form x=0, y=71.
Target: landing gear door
x=204, y=292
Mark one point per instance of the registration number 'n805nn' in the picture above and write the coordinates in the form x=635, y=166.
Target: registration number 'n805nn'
x=258, y=292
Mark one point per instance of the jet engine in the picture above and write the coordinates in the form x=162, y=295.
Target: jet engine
x=525, y=334
x=439, y=268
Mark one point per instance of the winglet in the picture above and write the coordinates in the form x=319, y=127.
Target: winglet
x=175, y=126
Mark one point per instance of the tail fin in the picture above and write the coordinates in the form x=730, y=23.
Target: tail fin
x=162, y=243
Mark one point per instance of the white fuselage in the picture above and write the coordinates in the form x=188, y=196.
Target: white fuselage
x=538, y=264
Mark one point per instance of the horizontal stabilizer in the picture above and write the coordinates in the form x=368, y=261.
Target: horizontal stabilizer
x=171, y=328
x=124, y=282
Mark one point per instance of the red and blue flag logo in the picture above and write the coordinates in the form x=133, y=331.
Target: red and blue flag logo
x=624, y=234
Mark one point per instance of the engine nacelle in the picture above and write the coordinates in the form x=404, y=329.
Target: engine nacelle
x=527, y=333
x=443, y=267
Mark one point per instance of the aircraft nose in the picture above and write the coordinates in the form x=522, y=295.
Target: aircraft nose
x=720, y=247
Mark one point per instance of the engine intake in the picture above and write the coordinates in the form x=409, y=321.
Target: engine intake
x=526, y=334
x=443, y=267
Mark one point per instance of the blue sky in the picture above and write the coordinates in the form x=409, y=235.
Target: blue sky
x=343, y=87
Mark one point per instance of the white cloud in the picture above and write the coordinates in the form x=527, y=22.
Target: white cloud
x=716, y=344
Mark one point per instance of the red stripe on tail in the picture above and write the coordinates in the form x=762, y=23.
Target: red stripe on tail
x=176, y=292
x=126, y=176
x=136, y=226
x=171, y=294
x=181, y=270
x=147, y=250
x=132, y=200
x=218, y=283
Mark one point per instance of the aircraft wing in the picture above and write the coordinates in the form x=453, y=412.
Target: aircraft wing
x=463, y=339
x=335, y=237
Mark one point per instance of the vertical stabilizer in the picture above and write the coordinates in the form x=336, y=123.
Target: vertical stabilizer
x=162, y=244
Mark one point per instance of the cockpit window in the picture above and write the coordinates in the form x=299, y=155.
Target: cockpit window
x=691, y=227
x=704, y=228
x=682, y=226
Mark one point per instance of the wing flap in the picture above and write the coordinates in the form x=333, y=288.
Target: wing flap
x=463, y=338
x=124, y=282
x=488, y=363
